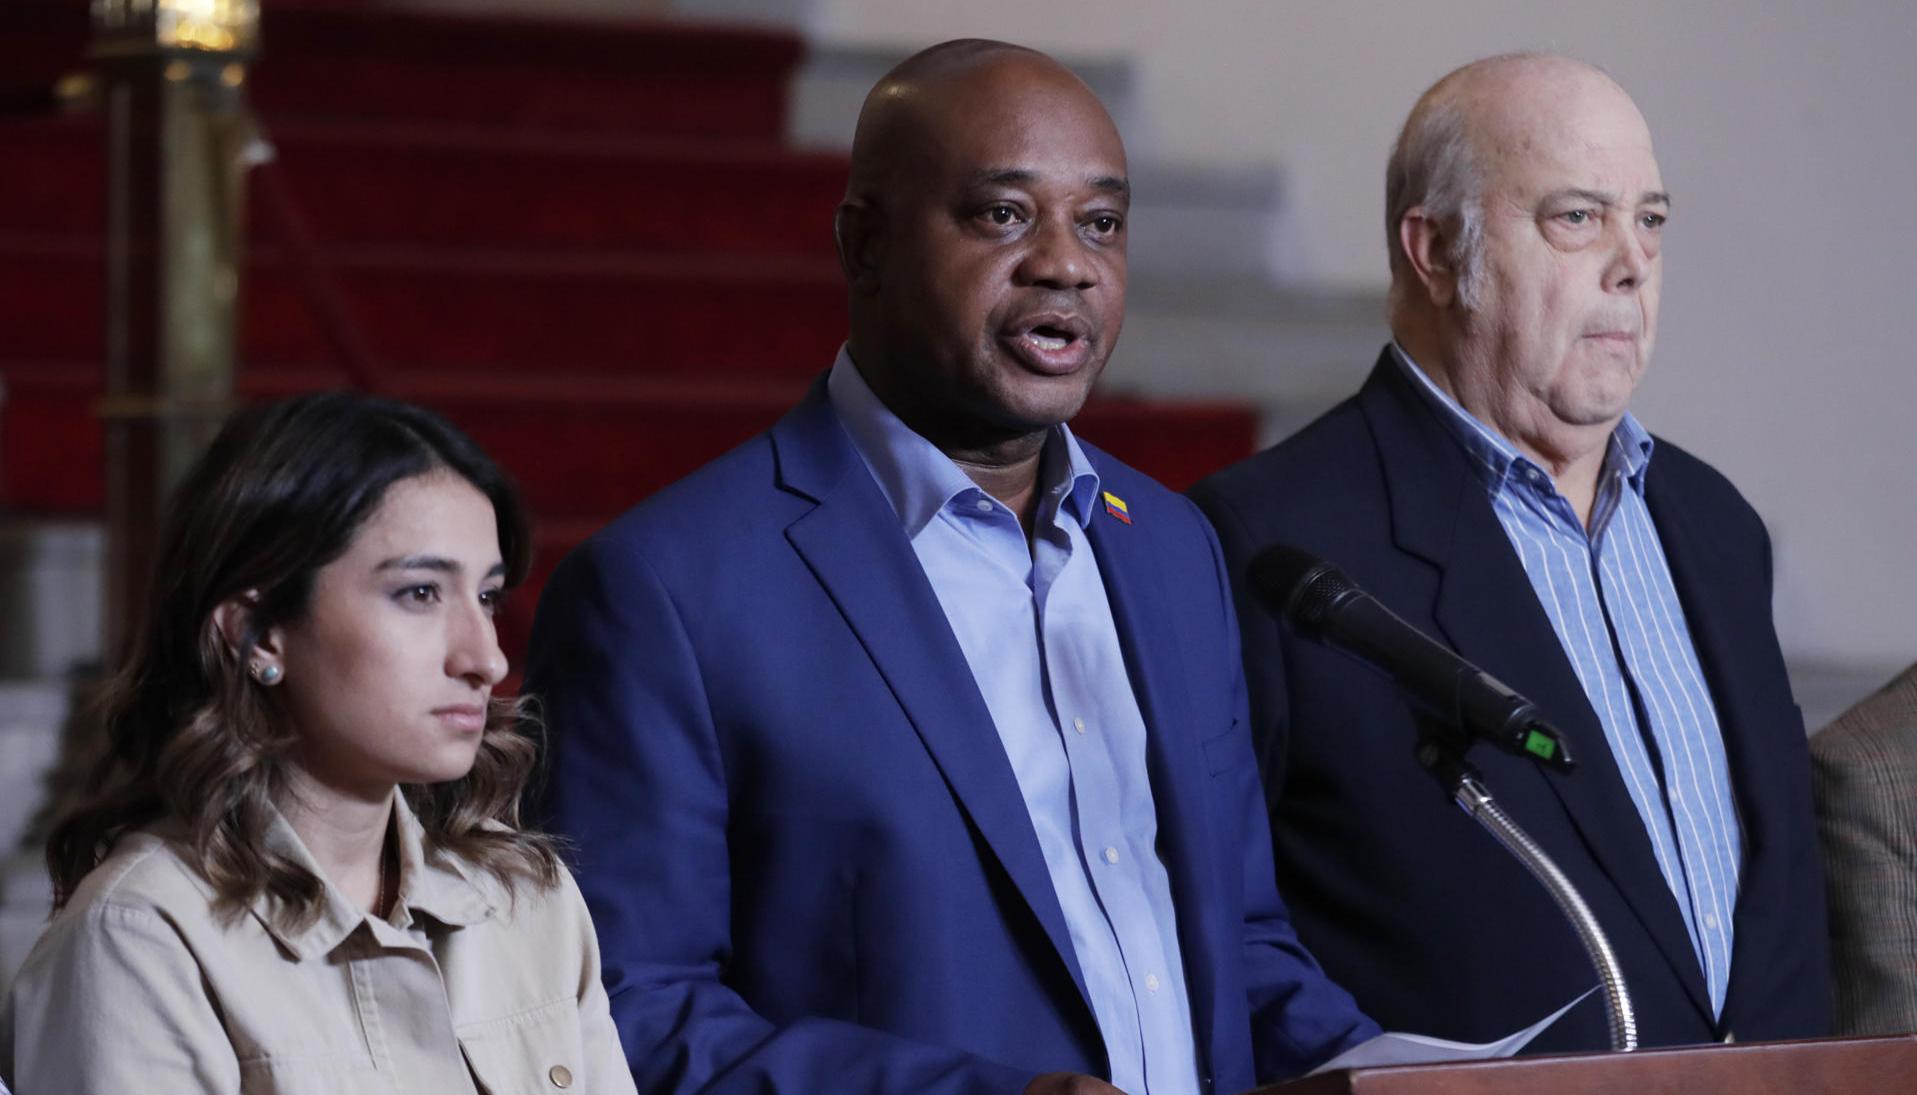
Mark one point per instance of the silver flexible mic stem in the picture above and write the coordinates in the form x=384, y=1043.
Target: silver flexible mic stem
x=1477, y=801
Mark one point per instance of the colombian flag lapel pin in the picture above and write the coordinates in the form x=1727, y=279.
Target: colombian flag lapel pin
x=1115, y=506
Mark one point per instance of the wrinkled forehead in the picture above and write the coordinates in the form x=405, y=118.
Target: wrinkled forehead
x=1566, y=129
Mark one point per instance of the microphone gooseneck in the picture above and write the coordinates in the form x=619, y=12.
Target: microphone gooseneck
x=1321, y=603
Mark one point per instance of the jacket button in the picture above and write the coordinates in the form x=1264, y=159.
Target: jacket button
x=560, y=1075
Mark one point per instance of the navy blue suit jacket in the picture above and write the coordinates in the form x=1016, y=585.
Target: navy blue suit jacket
x=1408, y=904
x=802, y=843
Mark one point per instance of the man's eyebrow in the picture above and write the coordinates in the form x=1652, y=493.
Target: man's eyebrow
x=1005, y=176
x=1590, y=197
x=1020, y=176
x=438, y=563
x=1599, y=197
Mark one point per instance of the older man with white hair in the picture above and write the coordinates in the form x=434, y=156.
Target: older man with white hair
x=1489, y=485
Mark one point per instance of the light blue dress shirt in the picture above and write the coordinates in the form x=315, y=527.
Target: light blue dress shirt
x=1609, y=595
x=1038, y=636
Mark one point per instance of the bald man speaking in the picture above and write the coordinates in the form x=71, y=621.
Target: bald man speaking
x=1489, y=485
x=905, y=748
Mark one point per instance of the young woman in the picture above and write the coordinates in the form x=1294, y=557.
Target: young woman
x=300, y=871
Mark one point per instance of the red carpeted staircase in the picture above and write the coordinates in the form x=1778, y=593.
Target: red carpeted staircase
x=584, y=243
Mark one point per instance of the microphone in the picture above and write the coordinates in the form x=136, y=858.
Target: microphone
x=1322, y=604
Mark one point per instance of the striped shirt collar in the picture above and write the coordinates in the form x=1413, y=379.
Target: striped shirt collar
x=1498, y=462
x=919, y=480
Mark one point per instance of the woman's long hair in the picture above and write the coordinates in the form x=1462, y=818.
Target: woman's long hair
x=279, y=495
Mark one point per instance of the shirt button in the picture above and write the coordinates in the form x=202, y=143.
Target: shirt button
x=984, y=505
x=560, y=1075
x=1710, y=921
x=1151, y=982
x=1078, y=725
x=1111, y=855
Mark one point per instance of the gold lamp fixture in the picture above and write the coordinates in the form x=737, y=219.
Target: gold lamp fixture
x=199, y=26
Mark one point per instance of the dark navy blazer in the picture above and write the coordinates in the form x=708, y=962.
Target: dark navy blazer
x=801, y=841
x=1429, y=923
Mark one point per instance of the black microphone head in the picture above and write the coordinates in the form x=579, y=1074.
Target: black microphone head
x=1298, y=585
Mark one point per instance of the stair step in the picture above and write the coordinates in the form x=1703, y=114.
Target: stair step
x=440, y=309
x=50, y=438
x=365, y=183
x=581, y=447
x=501, y=70
x=32, y=714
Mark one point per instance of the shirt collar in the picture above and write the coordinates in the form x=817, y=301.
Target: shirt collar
x=434, y=884
x=1631, y=446
x=438, y=884
x=918, y=480
x=1497, y=460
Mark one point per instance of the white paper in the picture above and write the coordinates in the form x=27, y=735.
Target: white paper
x=1420, y=1049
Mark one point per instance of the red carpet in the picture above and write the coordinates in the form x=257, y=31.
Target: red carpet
x=583, y=243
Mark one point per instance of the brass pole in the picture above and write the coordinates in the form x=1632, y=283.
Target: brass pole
x=178, y=139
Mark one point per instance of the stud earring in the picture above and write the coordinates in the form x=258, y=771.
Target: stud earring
x=268, y=674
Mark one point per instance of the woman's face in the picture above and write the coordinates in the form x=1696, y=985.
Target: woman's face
x=388, y=672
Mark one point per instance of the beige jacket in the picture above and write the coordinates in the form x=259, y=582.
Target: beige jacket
x=137, y=987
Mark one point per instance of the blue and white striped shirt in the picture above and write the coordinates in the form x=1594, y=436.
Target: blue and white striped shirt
x=1037, y=632
x=1609, y=595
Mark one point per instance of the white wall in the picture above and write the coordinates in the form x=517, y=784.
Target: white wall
x=1787, y=137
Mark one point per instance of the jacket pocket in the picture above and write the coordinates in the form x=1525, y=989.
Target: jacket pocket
x=1228, y=751
x=534, y=1052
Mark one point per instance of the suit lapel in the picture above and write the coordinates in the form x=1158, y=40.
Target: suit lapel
x=1483, y=608
x=1150, y=633
x=853, y=544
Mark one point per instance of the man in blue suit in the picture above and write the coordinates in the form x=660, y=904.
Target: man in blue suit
x=1489, y=486
x=904, y=747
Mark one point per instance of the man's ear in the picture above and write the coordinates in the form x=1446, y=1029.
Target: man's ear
x=859, y=230
x=1426, y=248
x=233, y=618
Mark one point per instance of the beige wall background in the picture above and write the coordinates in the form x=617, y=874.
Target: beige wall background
x=1787, y=135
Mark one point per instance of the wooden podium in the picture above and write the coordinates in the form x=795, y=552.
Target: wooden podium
x=1863, y=1065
